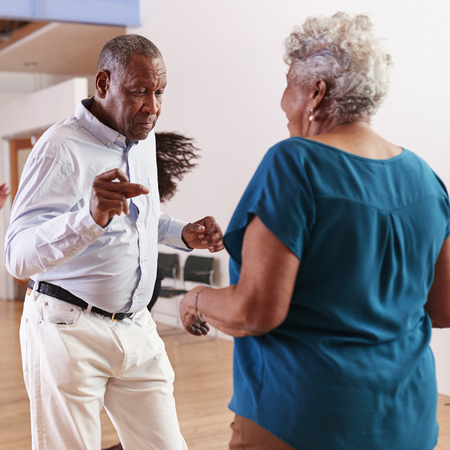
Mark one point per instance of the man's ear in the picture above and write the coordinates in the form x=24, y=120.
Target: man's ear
x=102, y=81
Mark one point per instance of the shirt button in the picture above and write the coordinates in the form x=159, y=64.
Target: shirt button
x=109, y=143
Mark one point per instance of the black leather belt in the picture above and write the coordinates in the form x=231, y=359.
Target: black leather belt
x=66, y=296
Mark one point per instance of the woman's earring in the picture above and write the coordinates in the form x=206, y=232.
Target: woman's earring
x=311, y=117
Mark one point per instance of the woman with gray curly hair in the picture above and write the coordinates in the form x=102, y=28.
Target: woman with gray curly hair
x=340, y=263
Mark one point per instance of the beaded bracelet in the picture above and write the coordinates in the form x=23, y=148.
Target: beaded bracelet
x=197, y=318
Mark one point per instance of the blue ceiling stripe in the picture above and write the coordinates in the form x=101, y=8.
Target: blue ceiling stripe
x=104, y=12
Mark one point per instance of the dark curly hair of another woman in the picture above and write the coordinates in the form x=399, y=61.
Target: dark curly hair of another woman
x=174, y=155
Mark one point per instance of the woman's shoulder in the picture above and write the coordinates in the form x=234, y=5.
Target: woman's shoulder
x=293, y=148
x=426, y=171
x=298, y=153
x=295, y=143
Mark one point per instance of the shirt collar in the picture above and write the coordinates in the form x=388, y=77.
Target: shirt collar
x=102, y=132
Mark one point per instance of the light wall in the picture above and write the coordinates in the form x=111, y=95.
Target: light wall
x=226, y=76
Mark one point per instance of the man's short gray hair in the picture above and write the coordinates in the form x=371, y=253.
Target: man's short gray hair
x=117, y=52
x=346, y=53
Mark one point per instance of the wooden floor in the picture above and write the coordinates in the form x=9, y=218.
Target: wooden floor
x=202, y=390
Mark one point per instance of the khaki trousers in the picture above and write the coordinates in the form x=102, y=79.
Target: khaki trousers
x=76, y=362
x=247, y=435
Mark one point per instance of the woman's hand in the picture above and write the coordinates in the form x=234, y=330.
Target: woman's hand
x=193, y=325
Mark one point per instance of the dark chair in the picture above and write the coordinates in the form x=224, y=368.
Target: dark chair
x=197, y=269
x=168, y=264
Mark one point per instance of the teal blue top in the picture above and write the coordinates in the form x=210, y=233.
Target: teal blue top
x=351, y=366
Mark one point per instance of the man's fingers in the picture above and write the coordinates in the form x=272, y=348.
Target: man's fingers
x=194, y=228
x=204, y=233
x=110, y=175
x=216, y=236
x=213, y=229
x=109, y=198
x=215, y=249
x=128, y=189
x=117, y=181
x=110, y=202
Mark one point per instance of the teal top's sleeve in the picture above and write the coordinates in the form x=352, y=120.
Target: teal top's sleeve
x=447, y=231
x=281, y=196
x=447, y=228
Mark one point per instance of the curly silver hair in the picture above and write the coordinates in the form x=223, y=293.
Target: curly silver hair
x=346, y=53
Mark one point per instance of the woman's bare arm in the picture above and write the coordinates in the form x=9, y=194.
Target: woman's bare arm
x=261, y=299
x=438, y=304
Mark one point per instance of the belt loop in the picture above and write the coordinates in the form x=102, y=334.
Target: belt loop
x=88, y=310
x=33, y=292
